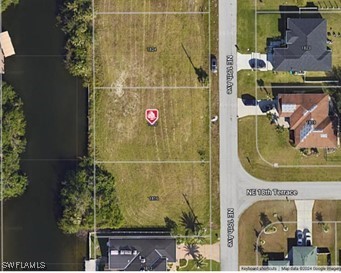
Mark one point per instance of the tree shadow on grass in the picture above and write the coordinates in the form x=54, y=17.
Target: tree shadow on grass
x=199, y=71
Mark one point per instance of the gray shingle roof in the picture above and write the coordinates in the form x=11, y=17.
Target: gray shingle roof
x=304, y=255
x=306, y=49
x=155, y=250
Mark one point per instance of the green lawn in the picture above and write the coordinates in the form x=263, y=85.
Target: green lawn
x=246, y=26
x=273, y=146
x=170, y=182
x=151, y=5
x=182, y=131
x=267, y=27
x=334, y=22
x=181, y=55
x=271, y=81
x=192, y=267
x=322, y=260
x=274, y=4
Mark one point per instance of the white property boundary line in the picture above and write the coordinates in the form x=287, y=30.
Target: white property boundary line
x=297, y=12
x=295, y=222
x=151, y=87
x=149, y=12
x=1, y=166
x=153, y=162
x=168, y=87
x=94, y=116
x=210, y=124
x=256, y=118
x=298, y=86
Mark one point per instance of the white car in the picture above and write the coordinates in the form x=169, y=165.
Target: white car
x=300, y=237
x=307, y=236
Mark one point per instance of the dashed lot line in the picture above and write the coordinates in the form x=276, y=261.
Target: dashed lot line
x=163, y=88
x=151, y=87
x=148, y=12
x=152, y=162
x=296, y=12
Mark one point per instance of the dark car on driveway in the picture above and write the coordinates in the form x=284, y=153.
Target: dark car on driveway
x=249, y=102
x=257, y=63
x=299, y=237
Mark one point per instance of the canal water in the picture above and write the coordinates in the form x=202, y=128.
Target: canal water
x=55, y=108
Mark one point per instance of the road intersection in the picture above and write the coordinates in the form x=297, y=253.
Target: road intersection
x=238, y=189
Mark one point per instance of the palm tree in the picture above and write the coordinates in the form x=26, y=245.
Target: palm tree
x=258, y=248
x=264, y=219
x=200, y=261
x=192, y=249
x=318, y=216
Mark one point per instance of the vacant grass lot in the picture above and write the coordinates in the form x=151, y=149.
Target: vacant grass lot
x=151, y=5
x=136, y=182
x=182, y=131
x=273, y=145
x=181, y=57
x=250, y=225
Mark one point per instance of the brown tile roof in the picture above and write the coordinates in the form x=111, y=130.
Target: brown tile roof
x=310, y=124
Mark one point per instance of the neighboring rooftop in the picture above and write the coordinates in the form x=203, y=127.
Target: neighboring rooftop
x=306, y=47
x=6, y=49
x=298, y=255
x=308, y=116
x=303, y=255
x=135, y=253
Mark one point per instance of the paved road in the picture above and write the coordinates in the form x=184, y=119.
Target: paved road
x=228, y=128
x=236, y=184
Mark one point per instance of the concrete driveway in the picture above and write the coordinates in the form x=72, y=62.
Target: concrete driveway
x=304, y=214
x=243, y=61
x=248, y=110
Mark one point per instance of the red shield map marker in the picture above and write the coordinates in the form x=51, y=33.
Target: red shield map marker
x=152, y=115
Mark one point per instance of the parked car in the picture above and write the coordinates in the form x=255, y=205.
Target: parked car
x=300, y=237
x=214, y=64
x=248, y=102
x=307, y=236
x=257, y=63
